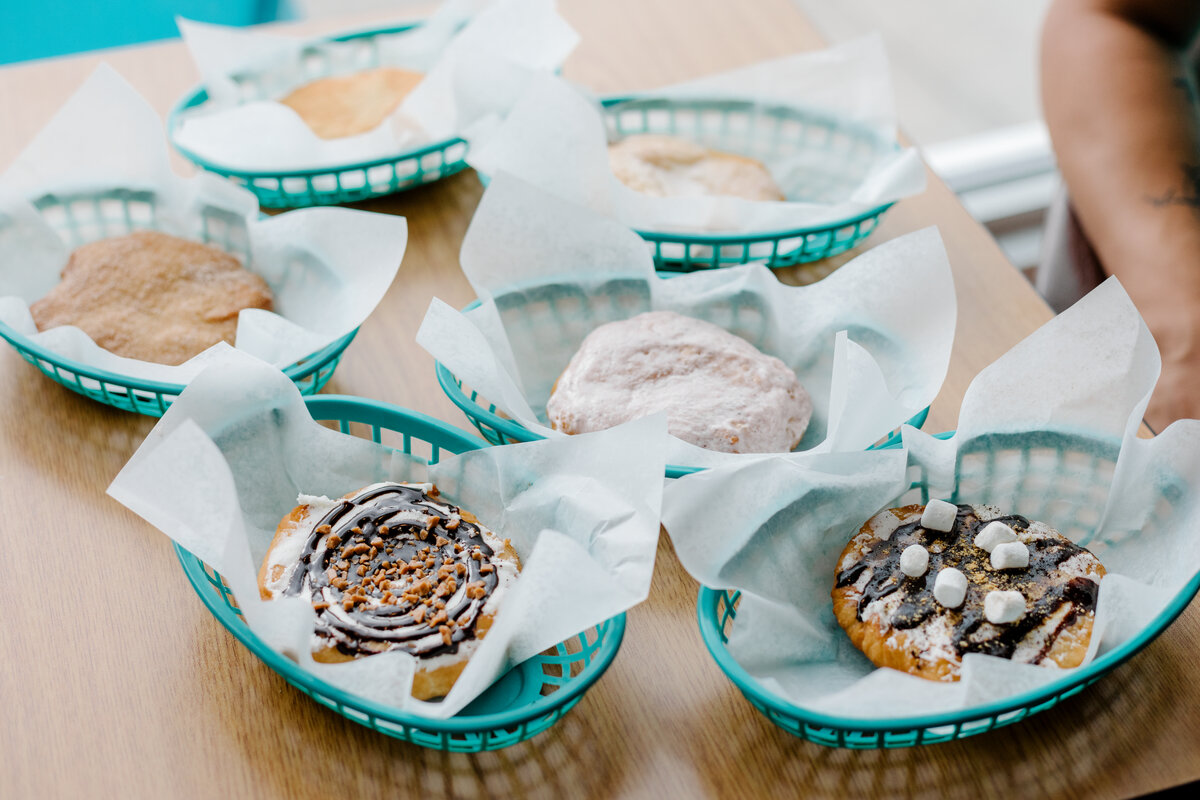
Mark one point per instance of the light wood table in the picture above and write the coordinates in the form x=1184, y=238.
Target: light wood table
x=117, y=682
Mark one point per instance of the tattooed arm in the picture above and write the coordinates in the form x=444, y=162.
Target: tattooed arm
x=1117, y=99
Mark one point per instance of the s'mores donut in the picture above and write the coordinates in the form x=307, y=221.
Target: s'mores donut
x=671, y=166
x=392, y=566
x=919, y=587
x=351, y=104
x=719, y=391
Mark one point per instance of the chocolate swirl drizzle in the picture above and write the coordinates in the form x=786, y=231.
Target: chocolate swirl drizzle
x=394, y=569
x=1044, y=591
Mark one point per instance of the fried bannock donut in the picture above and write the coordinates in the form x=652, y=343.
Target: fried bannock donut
x=152, y=296
x=351, y=104
x=719, y=391
x=671, y=166
x=392, y=566
x=1030, y=593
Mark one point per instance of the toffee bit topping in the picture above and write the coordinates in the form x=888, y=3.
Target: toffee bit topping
x=393, y=578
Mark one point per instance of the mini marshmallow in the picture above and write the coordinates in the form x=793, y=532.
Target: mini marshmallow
x=950, y=588
x=939, y=515
x=994, y=533
x=914, y=561
x=1001, y=608
x=1010, y=555
x=886, y=524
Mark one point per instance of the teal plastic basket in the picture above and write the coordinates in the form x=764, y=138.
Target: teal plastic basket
x=524, y=702
x=501, y=430
x=1046, y=455
x=85, y=217
x=765, y=131
x=344, y=183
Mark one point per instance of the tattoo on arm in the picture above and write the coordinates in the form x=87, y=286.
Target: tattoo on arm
x=1190, y=194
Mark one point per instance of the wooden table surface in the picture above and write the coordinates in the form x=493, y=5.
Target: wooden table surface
x=113, y=687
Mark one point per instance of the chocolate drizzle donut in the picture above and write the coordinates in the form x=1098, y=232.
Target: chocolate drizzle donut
x=872, y=593
x=390, y=567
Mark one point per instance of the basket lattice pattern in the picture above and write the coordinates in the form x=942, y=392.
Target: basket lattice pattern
x=527, y=701
x=1060, y=478
x=86, y=217
x=764, y=132
x=344, y=183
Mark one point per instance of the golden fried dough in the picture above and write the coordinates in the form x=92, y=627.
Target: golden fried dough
x=152, y=296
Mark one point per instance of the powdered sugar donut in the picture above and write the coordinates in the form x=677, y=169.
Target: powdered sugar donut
x=719, y=391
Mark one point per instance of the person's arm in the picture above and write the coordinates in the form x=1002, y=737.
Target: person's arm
x=1116, y=96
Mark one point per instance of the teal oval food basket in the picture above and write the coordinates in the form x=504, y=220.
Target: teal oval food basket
x=1049, y=455
x=85, y=217
x=571, y=309
x=344, y=183
x=524, y=702
x=764, y=131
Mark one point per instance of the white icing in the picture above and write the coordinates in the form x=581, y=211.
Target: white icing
x=884, y=524
x=1081, y=565
x=1037, y=531
x=863, y=579
x=1030, y=649
x=718, y=390
x=985, y=513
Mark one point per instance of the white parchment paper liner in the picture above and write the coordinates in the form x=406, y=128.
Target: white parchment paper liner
x=870, y=343
x=779, y=528
x=327, y=267
x=556, y=138
x=230, y=457
x=466, y=72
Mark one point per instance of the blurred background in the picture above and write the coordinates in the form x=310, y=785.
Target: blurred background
x=964, y=71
